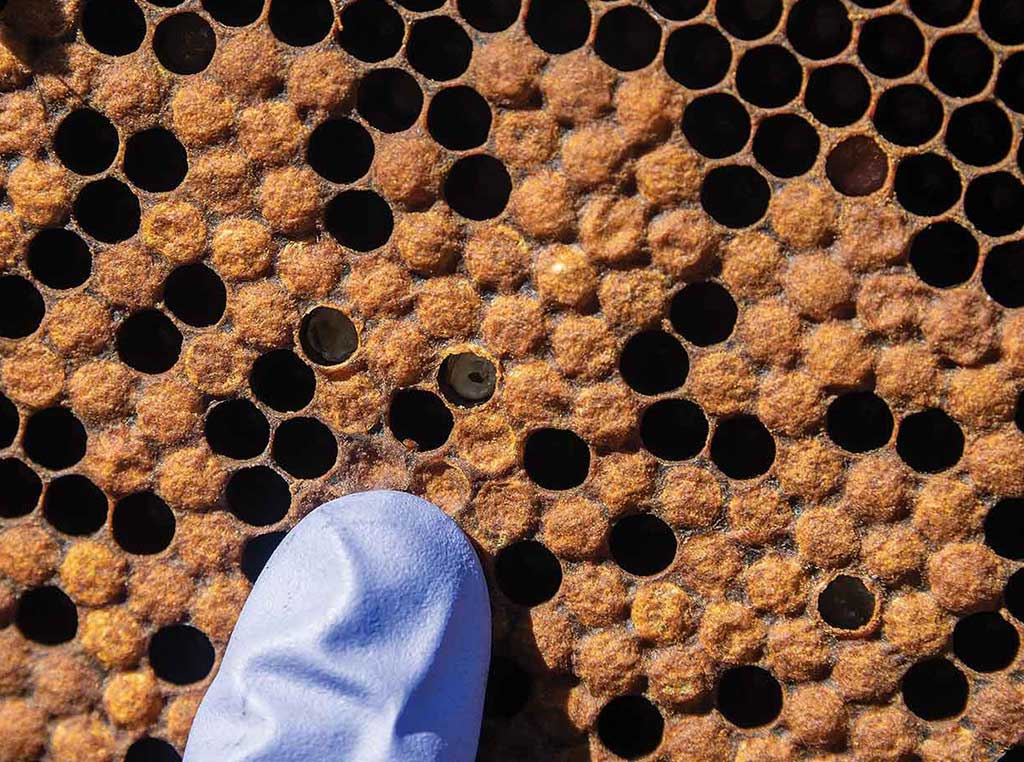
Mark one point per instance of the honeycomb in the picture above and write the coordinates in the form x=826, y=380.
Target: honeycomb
x=701, y=317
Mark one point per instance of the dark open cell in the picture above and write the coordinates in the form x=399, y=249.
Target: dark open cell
x=489, y=15
x=736, y=196
x=653, y=362
x=819, y=28
x=1013, y=595
x=459, y=118
x=478, y=187
x=941, y=12
x=630, y=726
x=748, y=19
x=944, y=254
x=54, y=438
x=86, y=142
x=558, y=26
x=857, y=166
x=234, y=12
x=890, y=46
x=935, y=689
x=21, y=307
x=142, y=524
x=108, y=210
x=371, y=30
x=960, y=65
x=846, y=603
x=556, y=459
x=195, y=295
x=259, y=496
x=74, y=505
x=20, y=488
x=300, y=22
x=1002, y=275
x=340, y=150
x=717, y=125
x=674, y=429
x=389, y=99
x=908, y=115
x=1003, y=20
x=994, y=203
x=184, y=43
x=151, y=749
x=282, y=381
x=155, y=160
x=466, y=379
x=46, y=615
x=257, y=552
x=114, y=27
x=8, y=422
x=697, y=56
x=359, y=219
x=527, y=573
x=642, y=544
x=837, y=95
x=859, y=421
x=1010, y=83
x=786, y=145
x=703, y=313
x=508, y=688
x=420, y=6
x=236, y=428
x=438, y=48
x=1004, y=528
x=181, y=654
x=59, y=258
x=742, y=447
x=304, y=447
x=419, y=419
x=927, y=184
x=979, y=133
x=328, y=336
x=149, y=342
x=768, y=76
x=677, y=10
x=627, y=38
x=1016, y=754
x=749, y=696
x=985, y=642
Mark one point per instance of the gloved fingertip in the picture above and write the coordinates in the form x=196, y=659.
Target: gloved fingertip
x=366, y=637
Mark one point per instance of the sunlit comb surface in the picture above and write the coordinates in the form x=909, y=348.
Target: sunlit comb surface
x=701, y=317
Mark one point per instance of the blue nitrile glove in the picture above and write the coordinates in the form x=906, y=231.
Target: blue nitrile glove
x=365, y=639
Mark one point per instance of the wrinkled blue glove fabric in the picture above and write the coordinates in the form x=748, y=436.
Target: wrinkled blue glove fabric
x=365, y=639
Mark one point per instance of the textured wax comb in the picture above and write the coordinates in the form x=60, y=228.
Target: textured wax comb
x=700, y=317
